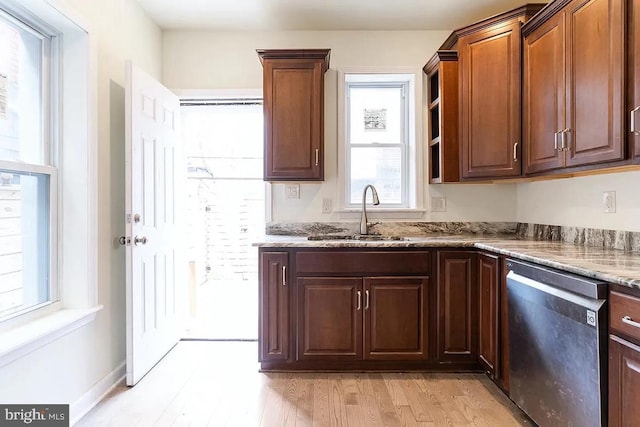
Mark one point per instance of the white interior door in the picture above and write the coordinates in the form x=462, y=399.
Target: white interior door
x=155, y=277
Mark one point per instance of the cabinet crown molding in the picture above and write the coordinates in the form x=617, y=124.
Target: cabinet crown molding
x=321, y=54
x=526, y=11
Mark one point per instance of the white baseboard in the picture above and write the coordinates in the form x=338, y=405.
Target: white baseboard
x=91, y=398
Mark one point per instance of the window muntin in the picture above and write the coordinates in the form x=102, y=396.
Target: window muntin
x=28, y=181
x=377, y=121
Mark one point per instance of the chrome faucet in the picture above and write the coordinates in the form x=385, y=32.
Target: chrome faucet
x=364, y=227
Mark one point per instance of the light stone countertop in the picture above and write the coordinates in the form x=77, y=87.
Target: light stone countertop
x=610, y=265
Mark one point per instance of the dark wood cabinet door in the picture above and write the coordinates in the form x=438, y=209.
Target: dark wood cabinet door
x=457, y=307
x=396, y=318
x=595, y=88
x=503, y=321
x=624, y=383
x=634, y=77
x=330, y=318
x=488, y=286
x=274, y=306
x=543, y=92
x=490, y=66
x=293, y=88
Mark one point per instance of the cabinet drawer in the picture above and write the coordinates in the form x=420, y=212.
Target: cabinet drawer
x=622, y=307
x=363, y=263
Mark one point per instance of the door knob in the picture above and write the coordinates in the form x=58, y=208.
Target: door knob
x=124, y=240
x=142, y=240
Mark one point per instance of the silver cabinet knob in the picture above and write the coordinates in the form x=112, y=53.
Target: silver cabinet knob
x=140, y=240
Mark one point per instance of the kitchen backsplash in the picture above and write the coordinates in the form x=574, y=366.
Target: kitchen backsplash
x=608, y=239
x=611, y=239
x=392, y=228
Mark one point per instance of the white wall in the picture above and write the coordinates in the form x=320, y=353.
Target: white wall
x=227, y=60
x=578, y=201
x=69, y=367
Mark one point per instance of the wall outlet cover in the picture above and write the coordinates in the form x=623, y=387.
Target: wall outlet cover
x=438, y=204
x=609, y=202
x=326, y=205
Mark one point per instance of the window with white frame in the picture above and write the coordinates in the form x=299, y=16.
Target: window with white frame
x=28, y=176
x=378, y=137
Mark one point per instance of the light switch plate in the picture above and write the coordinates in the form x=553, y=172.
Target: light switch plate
x=292, y=191
x=609, y=202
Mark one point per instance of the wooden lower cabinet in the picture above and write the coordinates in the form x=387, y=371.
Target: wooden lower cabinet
x=353, y=318
x=396, y=318
x=488, y=333
x=502, y=378
x=329, y=318
x=457, y=307
x=274, y=306
x=624, y=383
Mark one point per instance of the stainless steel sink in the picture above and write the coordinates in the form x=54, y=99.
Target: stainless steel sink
x=366, y=237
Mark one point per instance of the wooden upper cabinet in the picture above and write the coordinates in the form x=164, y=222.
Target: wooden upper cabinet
x=633, y=51
x=574, y=85
x=489, y=62
x=595, y=81
x=444, y=149
x=543, y=91
x=293, y=86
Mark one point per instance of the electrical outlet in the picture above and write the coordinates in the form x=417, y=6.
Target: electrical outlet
x=438, y=204
x=326, y=205
x=292, y=191
x=609, y=202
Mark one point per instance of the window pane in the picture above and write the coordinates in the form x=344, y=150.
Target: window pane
x=223, y=141
x=380, y=167
x=375, y=115
x=24, y=241
x=20, y=94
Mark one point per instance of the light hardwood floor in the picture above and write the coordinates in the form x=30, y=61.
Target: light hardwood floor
x=218, y=384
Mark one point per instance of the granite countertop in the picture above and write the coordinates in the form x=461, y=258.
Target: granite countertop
x=610, y=265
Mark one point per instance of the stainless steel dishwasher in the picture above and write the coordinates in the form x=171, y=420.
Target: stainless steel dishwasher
x=557, y=345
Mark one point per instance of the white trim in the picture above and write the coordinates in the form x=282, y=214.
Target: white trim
x=415, y=186
x=96, y=394
x=217, y=93
x=27, y=167
x=20, y=341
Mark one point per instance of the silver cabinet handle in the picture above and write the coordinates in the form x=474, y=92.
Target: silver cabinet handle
x=629, y=321
x=564, y=146
x=317, y=156
x=140, y=240
x=515, y=151
x=284, y=275
x=555, y=141
x=633, y=121
x=366, y=299
x=359, y=306
x=566, y=142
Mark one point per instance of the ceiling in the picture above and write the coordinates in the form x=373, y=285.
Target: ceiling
x=269, y=15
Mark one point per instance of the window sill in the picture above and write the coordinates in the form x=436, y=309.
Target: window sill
x=17, y=342
x=373, y=213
